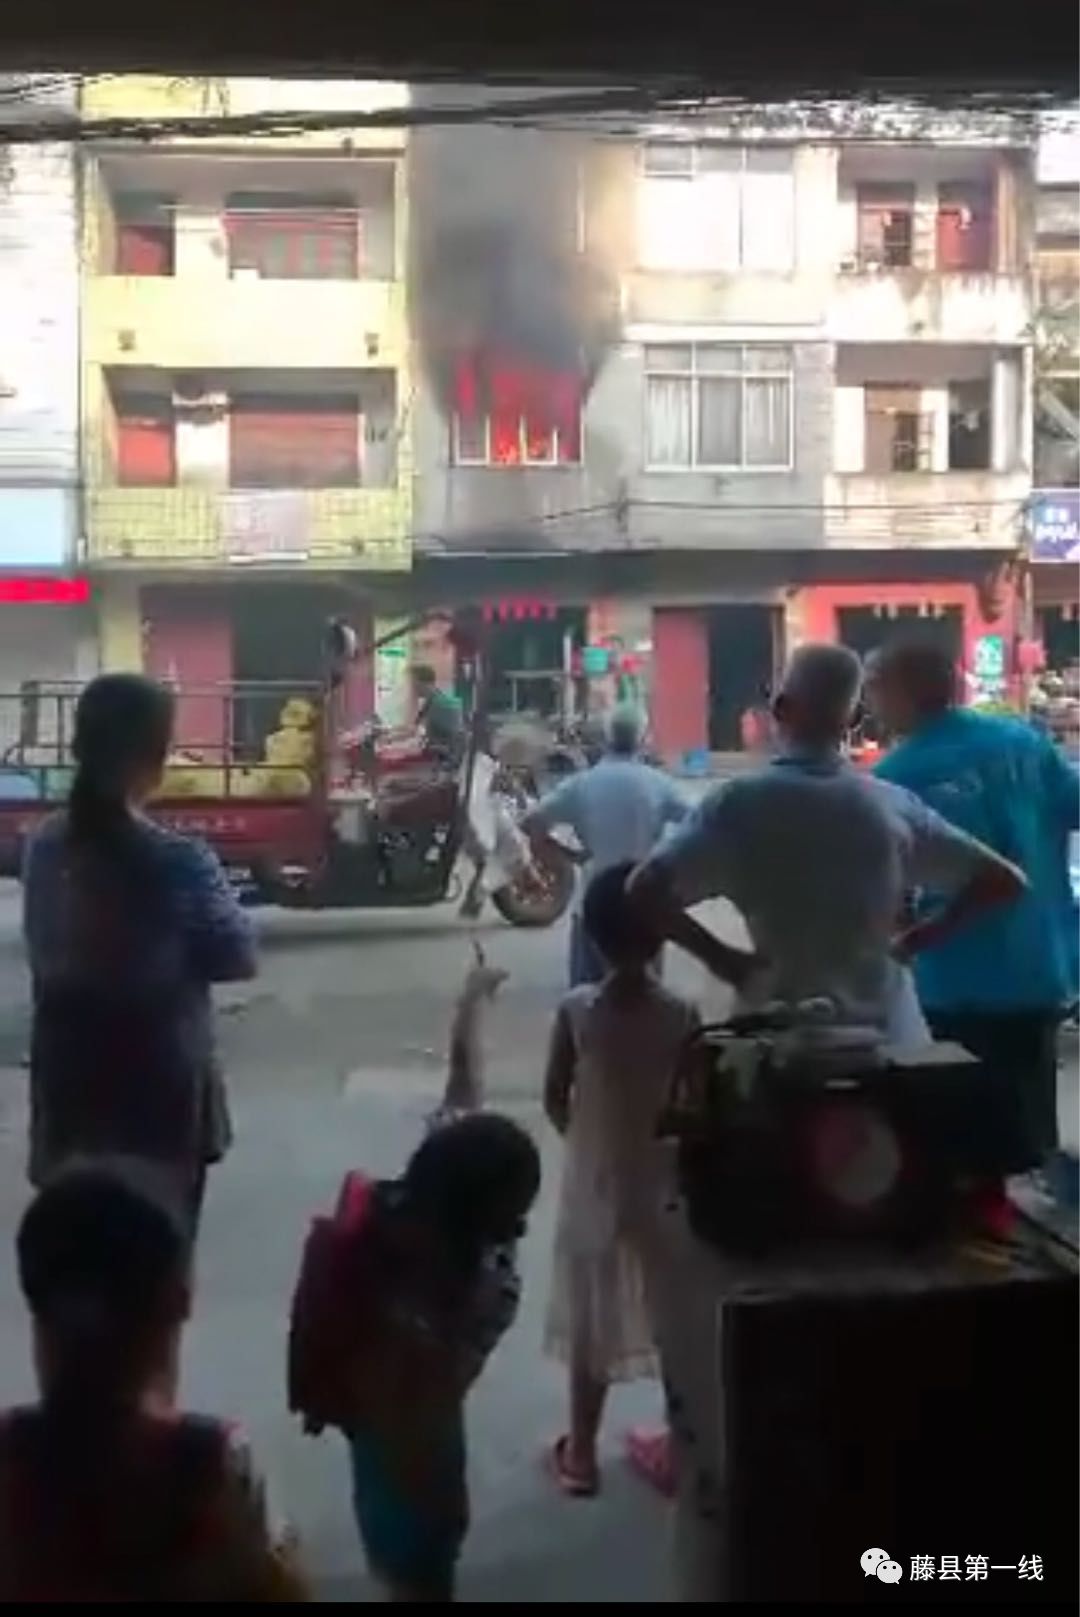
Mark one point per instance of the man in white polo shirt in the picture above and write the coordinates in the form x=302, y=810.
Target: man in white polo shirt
x=818, y=858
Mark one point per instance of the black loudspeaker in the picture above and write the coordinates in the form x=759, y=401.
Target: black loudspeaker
x=784, y=1137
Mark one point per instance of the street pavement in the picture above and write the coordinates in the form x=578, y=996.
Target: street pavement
x=335, y=1055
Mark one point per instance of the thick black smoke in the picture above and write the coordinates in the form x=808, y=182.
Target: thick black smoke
x=501, y=276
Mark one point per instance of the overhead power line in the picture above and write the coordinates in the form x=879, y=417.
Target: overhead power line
x=680, y=101
x=222, y=126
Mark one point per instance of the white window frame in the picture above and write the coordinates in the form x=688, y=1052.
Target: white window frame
x=694, y=376
x=695, y=168
x=552, y=462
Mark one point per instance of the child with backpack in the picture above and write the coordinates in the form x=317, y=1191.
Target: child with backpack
x=402, y=1296
x=107, y=1493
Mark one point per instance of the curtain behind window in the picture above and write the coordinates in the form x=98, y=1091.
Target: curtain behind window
x=768, y=421
x=668, y=418
x=719, y=422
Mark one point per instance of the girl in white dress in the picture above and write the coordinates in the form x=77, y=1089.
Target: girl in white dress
x=613, y=1050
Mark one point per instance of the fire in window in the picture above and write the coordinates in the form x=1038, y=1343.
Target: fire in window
x=516, y=416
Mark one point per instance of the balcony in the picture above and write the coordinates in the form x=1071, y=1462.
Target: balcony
x=185, y=323
x=922, y=510
x=913, y=305
x=361, y=529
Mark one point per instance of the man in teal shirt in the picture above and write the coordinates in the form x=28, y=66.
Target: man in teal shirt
x=1001, y=987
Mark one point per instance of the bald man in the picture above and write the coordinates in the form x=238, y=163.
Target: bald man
x=818, y=857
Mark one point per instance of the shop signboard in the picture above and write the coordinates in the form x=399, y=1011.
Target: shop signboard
x=1053, y=522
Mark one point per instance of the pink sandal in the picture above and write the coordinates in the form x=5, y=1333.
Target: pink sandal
x=650, y=1454
x=577, y=1482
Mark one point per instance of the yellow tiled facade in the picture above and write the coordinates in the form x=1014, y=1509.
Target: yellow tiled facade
x=203, y=327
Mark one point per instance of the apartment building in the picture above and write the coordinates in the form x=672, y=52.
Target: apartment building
x=775, y=385
x=1054, y=516
x=245, y=375
x=46, y=630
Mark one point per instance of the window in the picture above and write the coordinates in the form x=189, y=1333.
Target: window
x=964, y=227
x=145, y=234
x=145, y=444
x=284, y=237
x=716, y=208
x=886, y=216
x=294, y=442
x=532, y=419
x=719, y=406
x=899, y=437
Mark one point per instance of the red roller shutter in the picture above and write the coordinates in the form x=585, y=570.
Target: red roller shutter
x=293, y=444
x=145, y=449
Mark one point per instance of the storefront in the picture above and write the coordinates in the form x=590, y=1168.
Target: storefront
x=46, y=623
x=978, y=622
x=1054, y=537
x=208, y=637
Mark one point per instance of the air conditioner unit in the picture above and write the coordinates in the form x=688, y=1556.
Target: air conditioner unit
x=214, y=402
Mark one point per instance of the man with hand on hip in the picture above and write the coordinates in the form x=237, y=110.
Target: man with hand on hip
x=1000, y=989
x=818, y=857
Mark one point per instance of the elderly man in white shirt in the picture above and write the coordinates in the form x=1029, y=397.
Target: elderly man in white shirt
x=618, y=810
x=818, y=858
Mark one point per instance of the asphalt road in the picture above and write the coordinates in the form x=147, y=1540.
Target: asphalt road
x=334, y=1057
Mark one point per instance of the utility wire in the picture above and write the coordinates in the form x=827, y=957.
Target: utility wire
x=867, y=118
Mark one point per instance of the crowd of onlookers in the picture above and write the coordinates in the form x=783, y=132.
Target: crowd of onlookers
x=107, y=1490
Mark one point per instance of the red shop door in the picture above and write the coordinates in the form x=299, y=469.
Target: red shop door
x=189, y=646
x=680, y=680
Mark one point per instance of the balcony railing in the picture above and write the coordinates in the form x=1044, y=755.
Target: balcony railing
x=913, y=305
x=924, y=509
x=190, y=527
x=183, y=322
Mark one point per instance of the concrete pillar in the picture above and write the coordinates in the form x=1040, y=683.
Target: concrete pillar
x=924, y=226
x=120, y=626
x=1002, y=405
x=202, y=248
x=1026, y=456
x=934, y=403
x=202, y=451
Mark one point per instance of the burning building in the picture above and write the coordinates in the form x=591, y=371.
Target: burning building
x=720, y=386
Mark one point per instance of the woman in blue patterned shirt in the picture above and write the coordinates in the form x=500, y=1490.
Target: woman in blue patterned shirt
x=127, y=924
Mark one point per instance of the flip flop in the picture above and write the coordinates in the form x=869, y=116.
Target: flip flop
x=650, y=1454
x=576, y=1483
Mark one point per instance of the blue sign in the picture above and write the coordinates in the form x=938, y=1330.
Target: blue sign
x=37, y=527
x=1053, y=522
